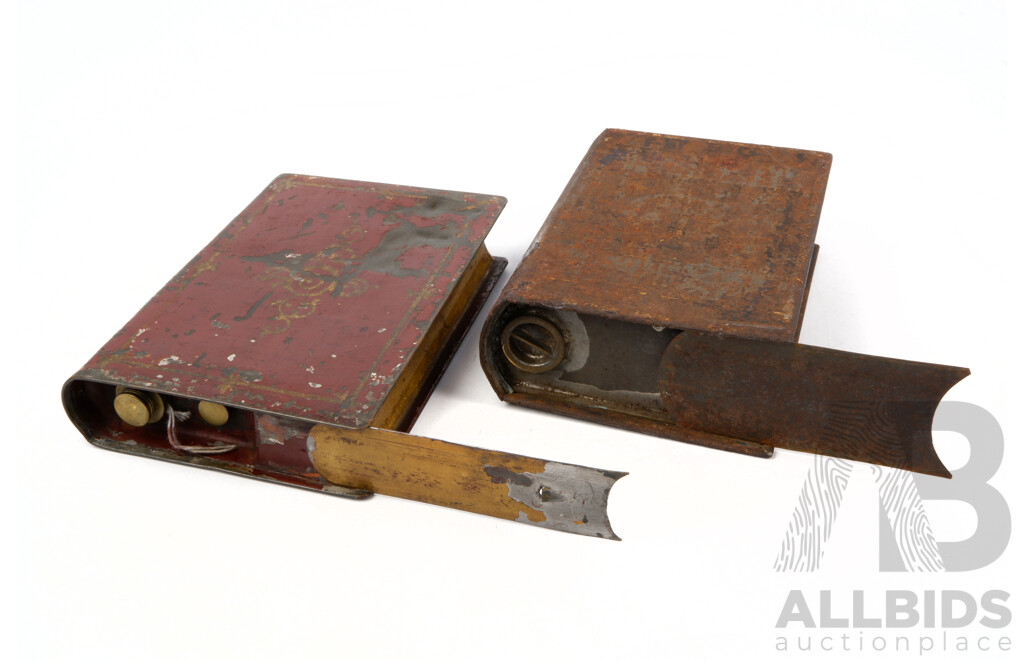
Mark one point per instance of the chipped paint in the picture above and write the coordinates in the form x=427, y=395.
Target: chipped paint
x=360, y=288
x=283, y=283
x=572, y=498
x=559, y=496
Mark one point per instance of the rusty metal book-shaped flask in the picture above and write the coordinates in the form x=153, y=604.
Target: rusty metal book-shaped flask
x=665, y=292
x=301, y=344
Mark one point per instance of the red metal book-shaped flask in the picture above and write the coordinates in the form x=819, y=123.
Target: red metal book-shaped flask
x=300, y=345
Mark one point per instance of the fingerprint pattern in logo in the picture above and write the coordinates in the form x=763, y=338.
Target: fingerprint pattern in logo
x=904, y=508
x=814, y=517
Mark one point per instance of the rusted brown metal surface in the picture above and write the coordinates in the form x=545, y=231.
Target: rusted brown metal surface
x=326, y=303
x=681, y=232
x=657, y=239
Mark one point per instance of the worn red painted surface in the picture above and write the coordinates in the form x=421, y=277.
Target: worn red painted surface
x=309, y=303
x=305, y=309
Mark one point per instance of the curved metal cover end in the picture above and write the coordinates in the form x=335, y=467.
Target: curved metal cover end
x=862, y=407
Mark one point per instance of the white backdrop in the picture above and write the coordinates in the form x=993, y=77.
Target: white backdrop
x=140, y=129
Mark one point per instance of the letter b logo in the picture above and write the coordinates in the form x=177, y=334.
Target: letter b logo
x=906, y=541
